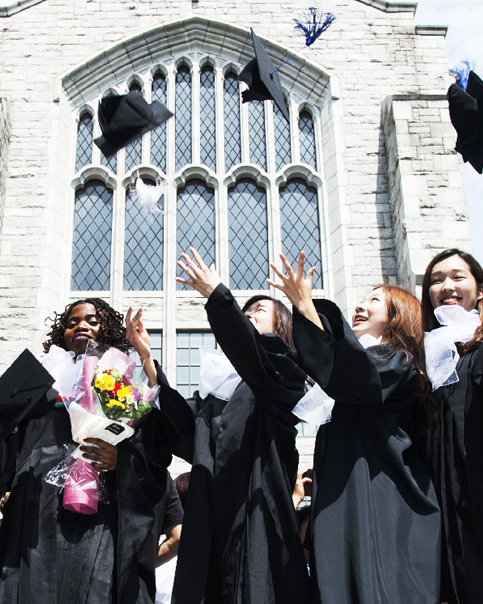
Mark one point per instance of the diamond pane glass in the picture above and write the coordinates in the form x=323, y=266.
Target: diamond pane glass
x=183, y=118
x=248, y=236
x=134, y=149
x=91, y=254
x=188, y=364
x=300, y=225
x=158, y=135
x=110, y=162
x=207, y=118
x=231, y=103
x=283, y=150
x=258, y=147
x=307, y=139
x=196, y=222
x=143, y=246
x=84, y=142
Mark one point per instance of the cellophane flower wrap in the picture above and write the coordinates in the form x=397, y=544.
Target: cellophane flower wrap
x=104, y=403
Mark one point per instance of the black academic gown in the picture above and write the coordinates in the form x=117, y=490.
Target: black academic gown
x=52, y=555
x=456, y=463
x=375, y=518
x=240, y=542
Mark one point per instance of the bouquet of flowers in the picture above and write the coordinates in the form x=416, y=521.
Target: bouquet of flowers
x=103, y=403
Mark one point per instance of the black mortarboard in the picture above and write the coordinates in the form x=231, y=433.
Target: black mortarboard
x=23, y=393
x=466, y=113
x=262, y=79
x=125, y=118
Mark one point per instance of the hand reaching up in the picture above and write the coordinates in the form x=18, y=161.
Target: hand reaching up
x=202, y=278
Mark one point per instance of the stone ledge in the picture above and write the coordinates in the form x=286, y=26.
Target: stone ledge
x=16, y=7
x=392, y=7
x=431, y=30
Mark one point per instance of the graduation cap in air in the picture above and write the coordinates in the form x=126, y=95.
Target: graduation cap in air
x=125, y=118
x=23, y=393
x=261, y=77
x=466, y=113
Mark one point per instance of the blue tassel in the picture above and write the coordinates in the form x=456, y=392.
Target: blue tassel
x=315, y=23
x=462, y=73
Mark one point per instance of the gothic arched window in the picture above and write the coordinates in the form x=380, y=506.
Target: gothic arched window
x=84, y=142
x=258, y=143
x=231, y=103
x=183, y=117
x=196, y=222
x=300, y=225
x=283, y=147
x=248, y=236
x=134, y=149
x=307, y=139
x=158, y=135
x=91, y=254
x=207, y=118
x=143, y=246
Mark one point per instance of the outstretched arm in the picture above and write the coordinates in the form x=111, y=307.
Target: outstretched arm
x=139, y=338
x=297, y=288
x=202, y=278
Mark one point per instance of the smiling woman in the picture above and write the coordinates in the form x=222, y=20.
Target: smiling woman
x=375, y=509
x=49, y=553
x=452, y=291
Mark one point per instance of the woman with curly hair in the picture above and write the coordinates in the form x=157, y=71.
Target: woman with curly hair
x=51, y=554
x=375, y=517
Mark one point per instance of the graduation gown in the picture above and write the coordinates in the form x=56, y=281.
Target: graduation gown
x=456, y=463
x=375, y=518
x=49, y=554
x=240, y=542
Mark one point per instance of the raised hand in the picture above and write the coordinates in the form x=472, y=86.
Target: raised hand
x=141, y=342
x=202, y=278
x=296, y=287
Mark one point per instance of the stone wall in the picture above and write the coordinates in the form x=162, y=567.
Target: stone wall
x=4, y=143
x=371, y=52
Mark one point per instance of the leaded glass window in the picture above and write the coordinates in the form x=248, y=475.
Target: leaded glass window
x=258, y=145
x=248, y=236
x=307, y=139
x=134, y=149
x=196, y=222
x=231, y=103
x=143, y=246
x=283, y=150
x=183, y=117
x=91, y=255
x=84, y=142
x=158, y=135
x=300, y=225
x=207, y=118
x=188, y=361
x=110, y=162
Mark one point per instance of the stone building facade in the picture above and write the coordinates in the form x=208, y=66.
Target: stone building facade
x=364, y=176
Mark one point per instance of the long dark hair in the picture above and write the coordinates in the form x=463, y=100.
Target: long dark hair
x=282, y=316
x=429, y=320
x=111, y=331
x=403, y=330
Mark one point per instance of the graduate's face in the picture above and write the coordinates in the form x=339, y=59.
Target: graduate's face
x=261, y=314
x=83, y=325
x=371, y=315
x=453, y=284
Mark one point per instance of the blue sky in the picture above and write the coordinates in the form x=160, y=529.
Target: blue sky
x=464, y=41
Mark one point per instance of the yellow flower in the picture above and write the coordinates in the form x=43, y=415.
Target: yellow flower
x=122, y=393
x=113, y=403
x=97, y=383
x=107, y=383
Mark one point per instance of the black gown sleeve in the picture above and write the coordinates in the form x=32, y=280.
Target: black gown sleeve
x=477, y=369
x=335, y=359
x=264, y=362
